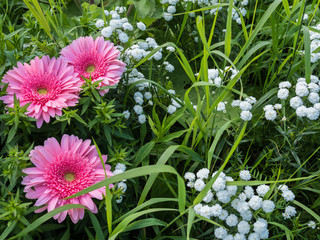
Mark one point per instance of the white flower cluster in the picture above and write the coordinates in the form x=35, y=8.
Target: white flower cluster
x=172, y=108
x=236, y=208
x=215, y=75
x=314, y=44
x=245, y=107
x=170, y=7
x=289, y=196
x=115, y=25
x=140, y=50
x=305, y=99
x=122, y=186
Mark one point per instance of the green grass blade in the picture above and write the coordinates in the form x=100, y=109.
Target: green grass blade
x=307, y=53
x=125, y=222
x=289, y=234
x=312, y=213
x=46, y=217
x=227, y=46
x=96, y=226
x=191, y=216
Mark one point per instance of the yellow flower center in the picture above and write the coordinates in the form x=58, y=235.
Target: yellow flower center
x=69, y=177
x=90, y=68
x=42, y=91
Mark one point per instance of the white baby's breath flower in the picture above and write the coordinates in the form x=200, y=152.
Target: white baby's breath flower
x=296, y=102
x=141, y=26
x=142, y=118
x=99, y=23
x=199, y=185
x=289, y=212
x=203, y=173
x=221, y=107
x=283, y=93
x=126, y=114
x=245, y=175
x=312, y=224
x=171, y=109
x=246, y=115
x=190, y=176
x=270, y=115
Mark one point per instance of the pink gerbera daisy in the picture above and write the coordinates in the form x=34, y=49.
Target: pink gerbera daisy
x=63, y=170
x=47, y=84
x=96, y=58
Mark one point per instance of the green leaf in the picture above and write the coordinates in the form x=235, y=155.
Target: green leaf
x=286, y=7
x=96, y=226
x=143, y=152
x=8, y=230
x=144, y=205
x=307, y=54
x=144, y=223
x=124, y=223
x=172, y=136
x=191, y=217
x=148, y=9
x=312, y=213
x=289, y=234
x=227, y=47
x=46, y=217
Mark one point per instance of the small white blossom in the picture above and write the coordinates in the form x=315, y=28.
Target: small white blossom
x=248, y=190
x=220, y=233
x=127, y=26
x=171, y=109
x=268, y=206
x=190, y=176
x=142, y=118
x=223, y=215
x=245, y=175
x=288, y=195
x=301, y=111
x=270, y=115
x=126, y=114
x=312, y=224
x=141, y=26
x=221, y=107
x=245, y=106
x=246, y=216
x=285, y=84
x=283, y=93
x=262, y=190
x=171, y=9
x=312, y=113
x=243, y=227
x=268, y=107
x=170, y=49
x=167, y=16
x=199, y=185
x=138, y=109
x=255, y=202
x=235, y=103
x=122, y=186
x=99, y=23
x=277, y=106
x=289, y=212
x=107, y=32
x=203, y=173
x=208, y=198
x=296, y=102
x=246, y=115
x=121, y=167
x=232, y=220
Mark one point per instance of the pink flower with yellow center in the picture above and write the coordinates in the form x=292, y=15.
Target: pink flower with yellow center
x=62, y=170
x=97, y=59
x=47, y=84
